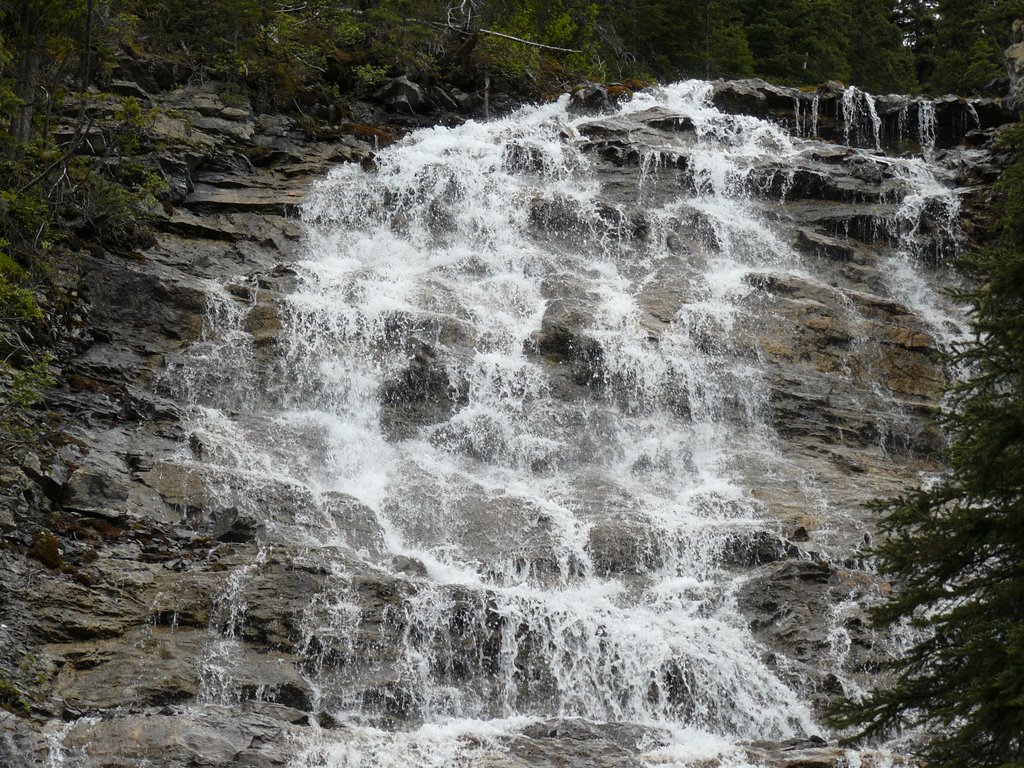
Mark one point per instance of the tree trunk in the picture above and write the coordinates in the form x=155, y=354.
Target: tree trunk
x=87, y=52
x=25, y=89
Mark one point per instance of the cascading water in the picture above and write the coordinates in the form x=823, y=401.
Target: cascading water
x=926, y=128
x=930, y=205
x=518, y=389
x=858, y=106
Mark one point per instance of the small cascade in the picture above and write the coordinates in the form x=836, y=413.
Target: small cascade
x=903, y=123
x=876, y=121
x=520, y=421
x=926, y=128
x=926, y=229
x=858, y=107
x=972, y=113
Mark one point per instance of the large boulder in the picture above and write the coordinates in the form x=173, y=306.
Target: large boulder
x=401, y=95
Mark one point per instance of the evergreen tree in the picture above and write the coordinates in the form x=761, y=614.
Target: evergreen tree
x=37, y=32
x=879, y=62
x=724, y=50
x=956, y=549
x=799, y=41
x=970, y=37
x=916, y=20
x=677, y=39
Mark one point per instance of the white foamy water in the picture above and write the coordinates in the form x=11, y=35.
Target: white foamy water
x=568, y=499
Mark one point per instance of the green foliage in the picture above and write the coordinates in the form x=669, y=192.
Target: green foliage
x=17, y=304
x=969, y=39
x=368, y=75
x=879, y=62
x=133, y=123
x=956, y=549
x=508, y=59
x=800, y=41
x=27, y=219
x=701, y=39
x=45, y=548
x=20, y=391
x=11, y=698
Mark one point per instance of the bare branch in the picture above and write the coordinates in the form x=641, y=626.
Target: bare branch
x=466, y=30
x=80, y=135
x=528, y=42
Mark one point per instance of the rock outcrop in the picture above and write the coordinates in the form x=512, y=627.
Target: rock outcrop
x=849, y=116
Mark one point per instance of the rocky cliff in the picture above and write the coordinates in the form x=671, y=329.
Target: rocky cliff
x=160, y=611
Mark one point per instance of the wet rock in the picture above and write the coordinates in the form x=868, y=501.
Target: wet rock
x=181, y=738
x=16, y=501
x=563, y=336
x=816, y=753
x=263, y=323
x=232, y=525
x=403, y=96
x=624, y=547
x=96, y=490
x=182, y=487
x=409, y=566
x=356, y=523
x=163, y=307
x=241, y=199
x=791, y=607
x=424, y=392
x=465, y=101
x=746, y=550
x=748, y=97
x=67, y=611
x=590, y=98
x=567, y=741
x=95, y=676
x=898, y=116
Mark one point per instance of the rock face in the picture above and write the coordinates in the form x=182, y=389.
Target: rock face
x=176, y=598
x=850, y=116
x=1015, y=66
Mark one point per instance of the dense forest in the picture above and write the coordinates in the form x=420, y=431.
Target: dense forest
x=288, y=51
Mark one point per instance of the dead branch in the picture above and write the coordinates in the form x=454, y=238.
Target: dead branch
x=494, y=33
x=81, y=134
x=527, y=42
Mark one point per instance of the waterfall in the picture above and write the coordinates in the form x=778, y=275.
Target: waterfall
x=972, y=112
x=928, y=205
x=926, y=128
x=876, y=121
x=516, y=383
x=902, y=121
x=859, y=106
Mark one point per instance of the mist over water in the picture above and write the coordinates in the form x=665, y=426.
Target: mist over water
x=520, y=382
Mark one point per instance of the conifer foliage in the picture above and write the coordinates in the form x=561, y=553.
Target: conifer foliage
x=956, y=549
